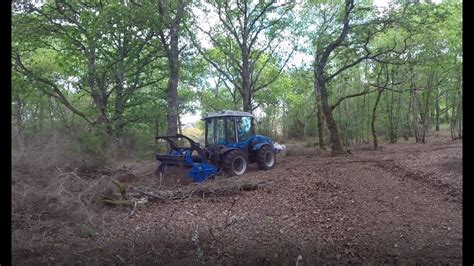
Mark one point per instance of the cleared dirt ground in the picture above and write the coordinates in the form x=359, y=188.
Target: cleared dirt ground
x=400, y=204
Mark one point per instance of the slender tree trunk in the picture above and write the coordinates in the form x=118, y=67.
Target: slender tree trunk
x=446, y=112
x=374, y=115
x=399, y=115
x=426, y=117
x=367, y=130
x=460, y=113
x=454, y=115
x=437, y=110
x=415, y=114
x=391, y=119
x=426, y=108
x=460, y=125
x=348, y=113
x=407, y=123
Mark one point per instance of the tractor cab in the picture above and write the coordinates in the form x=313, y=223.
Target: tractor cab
x=227, y=128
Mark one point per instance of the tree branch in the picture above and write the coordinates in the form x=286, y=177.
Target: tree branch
x=57, y=92
x=349, y=96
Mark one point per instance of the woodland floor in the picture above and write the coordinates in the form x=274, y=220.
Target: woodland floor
x=400, y=204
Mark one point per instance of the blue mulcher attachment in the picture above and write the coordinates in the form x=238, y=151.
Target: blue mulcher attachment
x=200, y=170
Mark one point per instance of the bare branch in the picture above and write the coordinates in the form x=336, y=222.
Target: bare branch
x=216, y=66
x=276, y=76
x=349, y=96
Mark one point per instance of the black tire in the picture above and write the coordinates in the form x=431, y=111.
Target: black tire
x=266, y=158
x=234, y=163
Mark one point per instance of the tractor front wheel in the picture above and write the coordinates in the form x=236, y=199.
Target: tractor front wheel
x=265, y=158
x=234, y=163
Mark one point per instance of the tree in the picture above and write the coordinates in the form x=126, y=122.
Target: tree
x=351, y=44
x=248, y=37
x=97, y=51
x=171, y=15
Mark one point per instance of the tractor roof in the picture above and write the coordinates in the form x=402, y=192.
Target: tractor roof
x=225, y=113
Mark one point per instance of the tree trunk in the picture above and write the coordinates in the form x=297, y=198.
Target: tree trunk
x=426, y=116
x=245, y=75
x=99, y=95
x=367, y=130
x=172, y=54
x=399, y=115
x=452, y=122
x=173, y=104
x=320, y=118
x=103, y=104
x=348, y=113
x=460, y=126
x=336, y=144
x=407, y=123
x=391, y=118
x=374, y=114
x=437, y=110
x=460, y=114
x=415, y=114
x=426, y=109
x=446, y=112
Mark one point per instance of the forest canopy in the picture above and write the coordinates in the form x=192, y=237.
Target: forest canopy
x=332, y=73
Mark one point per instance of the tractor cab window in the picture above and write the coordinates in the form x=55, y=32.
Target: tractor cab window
x=244, y=126
x=230, y=130
x=215, y=131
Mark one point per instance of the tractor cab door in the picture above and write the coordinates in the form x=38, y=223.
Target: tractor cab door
x=220, y=131
x=244, y=128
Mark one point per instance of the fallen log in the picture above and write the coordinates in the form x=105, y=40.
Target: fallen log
x=162, y=195
x=226, y=190
x=128, y=203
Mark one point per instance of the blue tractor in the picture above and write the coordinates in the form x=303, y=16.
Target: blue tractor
x=230, y=145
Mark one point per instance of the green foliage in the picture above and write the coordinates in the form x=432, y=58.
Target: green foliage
x=100, y=70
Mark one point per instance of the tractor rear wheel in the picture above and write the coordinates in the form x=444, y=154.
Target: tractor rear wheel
x=234, y=163
x=265, y=158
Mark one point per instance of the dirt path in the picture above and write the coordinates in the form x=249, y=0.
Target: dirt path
x=400, y=204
